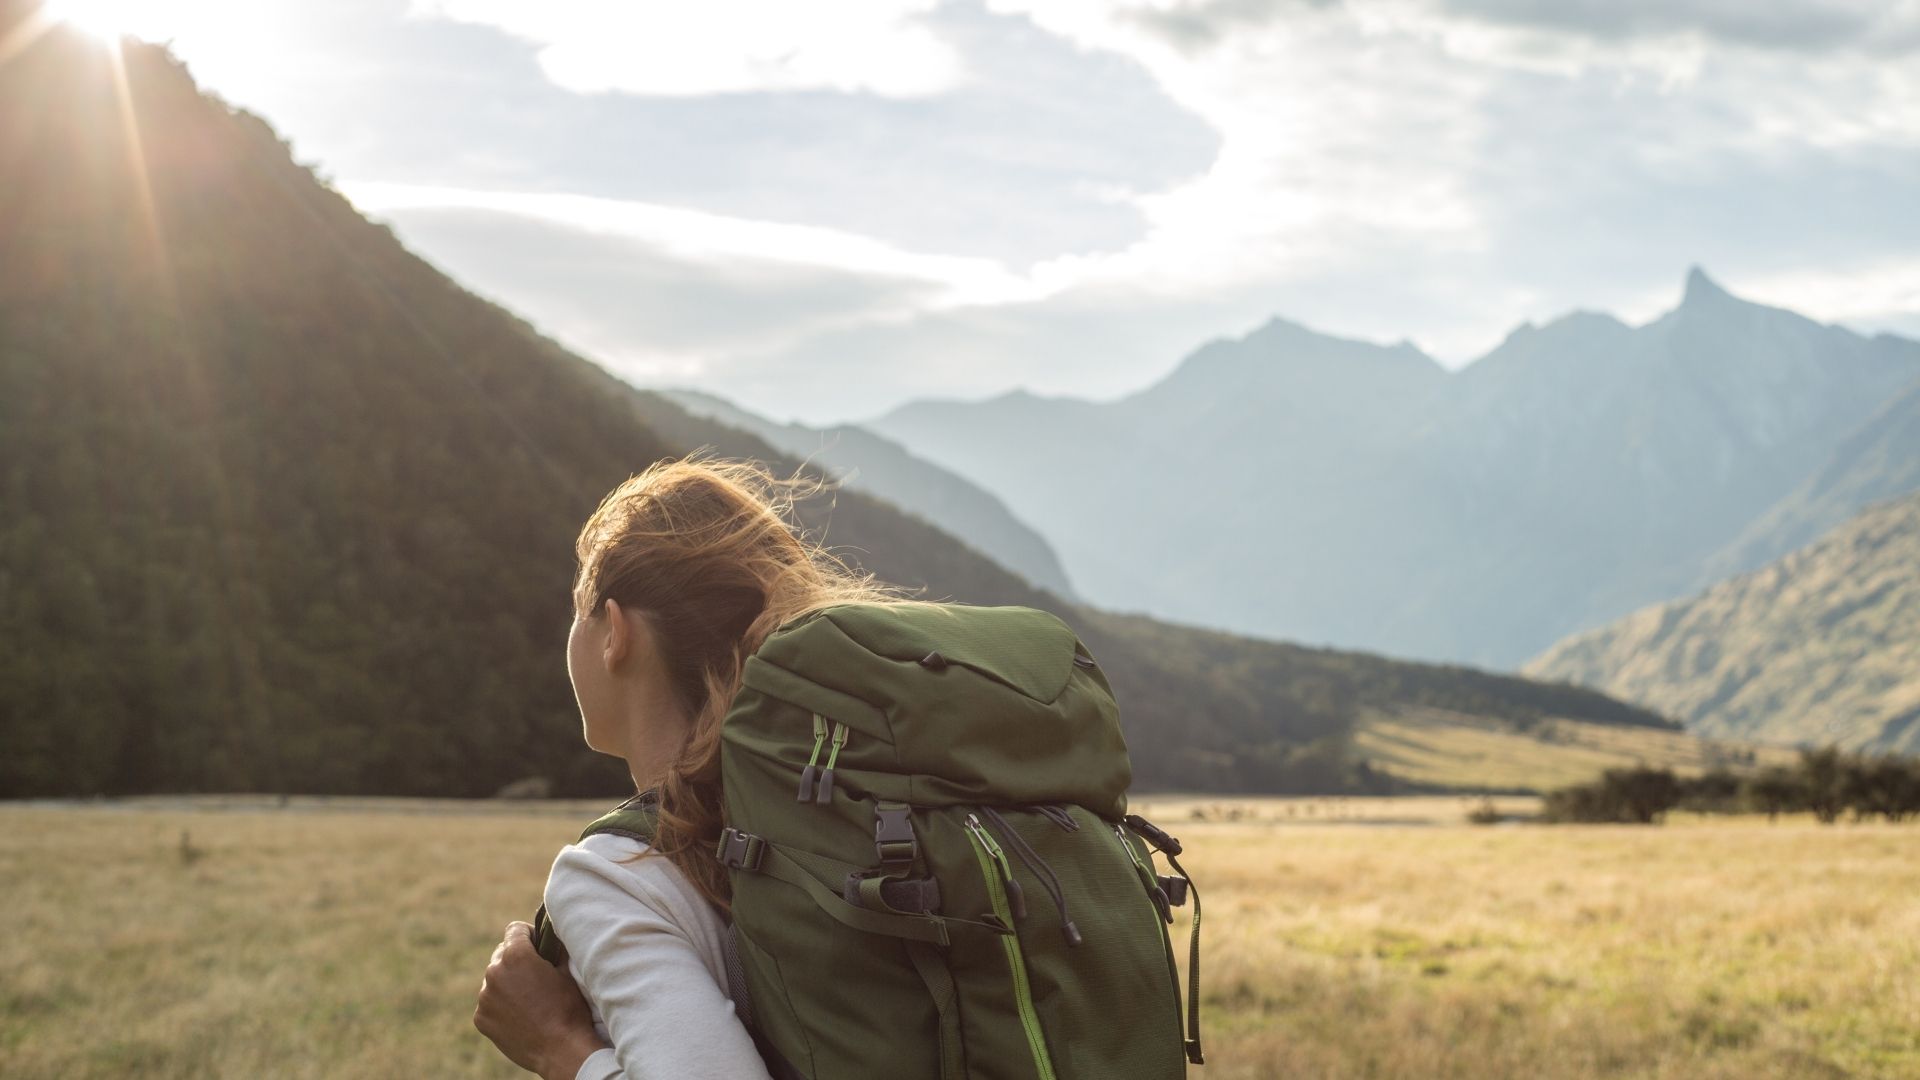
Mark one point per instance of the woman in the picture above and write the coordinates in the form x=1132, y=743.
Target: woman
x=683, y=571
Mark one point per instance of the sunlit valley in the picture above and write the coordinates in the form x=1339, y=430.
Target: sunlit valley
x=289, y=487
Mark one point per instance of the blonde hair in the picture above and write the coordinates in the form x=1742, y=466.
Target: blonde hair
x=708, y=551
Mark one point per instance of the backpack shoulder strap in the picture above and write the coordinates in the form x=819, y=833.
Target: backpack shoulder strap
x=635, y=818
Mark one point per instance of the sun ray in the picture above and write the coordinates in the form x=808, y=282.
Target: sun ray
x=137, y=165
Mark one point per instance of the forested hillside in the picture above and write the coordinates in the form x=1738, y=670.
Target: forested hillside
x=286, y=509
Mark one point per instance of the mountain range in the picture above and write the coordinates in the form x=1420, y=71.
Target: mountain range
x=1293, y=485
x=286, y=509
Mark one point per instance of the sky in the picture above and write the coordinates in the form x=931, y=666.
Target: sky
x=822, y=211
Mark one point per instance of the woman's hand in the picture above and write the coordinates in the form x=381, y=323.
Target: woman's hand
x=532, y=1011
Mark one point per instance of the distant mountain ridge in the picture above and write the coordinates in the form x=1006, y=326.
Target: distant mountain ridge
x=869, y=462
x=1294, y=485
x=1821, y=647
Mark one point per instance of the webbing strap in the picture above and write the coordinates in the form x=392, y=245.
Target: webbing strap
x=1193, y=967
x=779, y=865
x=939, y=981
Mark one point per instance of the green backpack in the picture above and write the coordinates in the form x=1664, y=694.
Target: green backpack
x=934, y=873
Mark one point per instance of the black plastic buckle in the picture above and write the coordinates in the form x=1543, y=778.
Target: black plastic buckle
x=893, y=835
x=740, y=850
x=1176, y=889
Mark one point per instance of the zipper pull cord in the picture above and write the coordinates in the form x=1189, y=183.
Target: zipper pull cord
x=1016, y=897
x=1058, y=816
x=1040, y=870
x=806, y=774
x=826, y=775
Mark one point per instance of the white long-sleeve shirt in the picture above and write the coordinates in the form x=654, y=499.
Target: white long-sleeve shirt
x=644, y=946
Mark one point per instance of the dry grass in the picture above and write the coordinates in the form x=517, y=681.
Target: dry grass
x=291, y=945
x=349, y=943
x=1431, y=746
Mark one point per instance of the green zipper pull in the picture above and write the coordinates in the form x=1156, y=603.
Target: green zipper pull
x=806, y=774
x=825, y=796
x=1016, y=900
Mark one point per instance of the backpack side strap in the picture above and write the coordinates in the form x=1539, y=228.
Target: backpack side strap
x=1170, y=847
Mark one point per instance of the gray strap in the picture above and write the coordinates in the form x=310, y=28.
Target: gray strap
x=786, y=867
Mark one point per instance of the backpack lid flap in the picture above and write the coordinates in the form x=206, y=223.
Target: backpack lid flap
x=965, y=704
x=1024, y=648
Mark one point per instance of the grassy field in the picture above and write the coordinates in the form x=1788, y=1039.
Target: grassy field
x=1449, y=749
x=1345, y=938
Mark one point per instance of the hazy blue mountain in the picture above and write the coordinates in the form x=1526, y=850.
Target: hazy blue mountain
x=1296, y=485
x=1820, y=647
x=1614, y=462
x=869, y=462
x=1156, y=500
x=1881, y=460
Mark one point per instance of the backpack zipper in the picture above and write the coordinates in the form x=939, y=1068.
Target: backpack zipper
x=813, y=762
x=1159, y=898
x=825, y=795
x=1040, y=870
x=1016, y=898
x=994, y=866
x=816, y=781
x=1148, y=880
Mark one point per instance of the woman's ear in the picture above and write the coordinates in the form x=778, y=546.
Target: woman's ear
x=619, y=643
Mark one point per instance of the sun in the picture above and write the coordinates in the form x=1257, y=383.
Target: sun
x=110, y=20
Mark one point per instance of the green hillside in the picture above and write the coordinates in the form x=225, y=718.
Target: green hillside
x=1821, y=647
x=1440, y=748
x=283, y=508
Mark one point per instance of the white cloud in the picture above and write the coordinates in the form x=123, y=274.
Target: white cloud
x=723, y=46
x=697, y=236
x=1428, y=169
x=1418, y=140
x=1880, y=291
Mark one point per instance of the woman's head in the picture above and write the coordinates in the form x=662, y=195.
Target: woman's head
x=683, y=571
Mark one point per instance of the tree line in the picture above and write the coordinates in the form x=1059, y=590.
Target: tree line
x=1825, y=782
